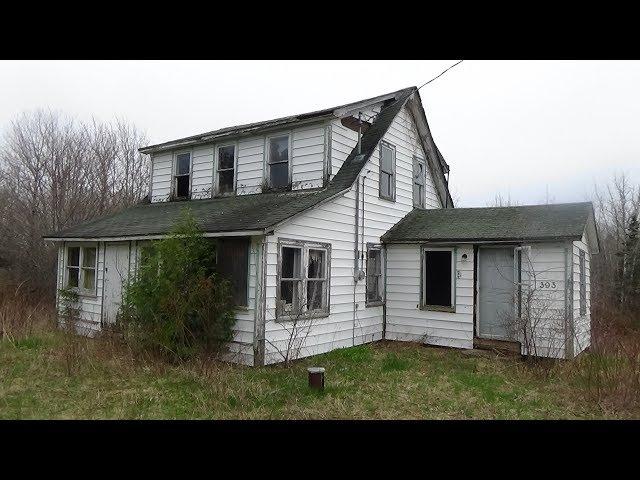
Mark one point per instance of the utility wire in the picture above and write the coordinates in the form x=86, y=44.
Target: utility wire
x=442, y=73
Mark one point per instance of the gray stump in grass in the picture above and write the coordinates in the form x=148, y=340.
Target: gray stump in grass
x=316, y=377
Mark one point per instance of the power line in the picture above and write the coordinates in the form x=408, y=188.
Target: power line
x=442, y=73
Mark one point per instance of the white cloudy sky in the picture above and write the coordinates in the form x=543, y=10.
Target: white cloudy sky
x=519, y=128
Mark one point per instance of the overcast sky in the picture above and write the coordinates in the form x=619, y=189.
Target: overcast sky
x=519, y=128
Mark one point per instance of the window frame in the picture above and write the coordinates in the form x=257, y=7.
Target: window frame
x=582, y=283
x=267, y=153
x=423, y=284
x=392, y=147
x=304, y=246
x=174, y=175
x=80, y=290
x=381, y=281
x=216, y=176
x=422, y=198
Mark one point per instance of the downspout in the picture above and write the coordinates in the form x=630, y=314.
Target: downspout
x=355, y=260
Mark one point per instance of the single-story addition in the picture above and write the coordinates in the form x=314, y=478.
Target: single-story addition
x=337, y=228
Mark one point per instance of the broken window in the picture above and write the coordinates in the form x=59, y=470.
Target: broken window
x=303, y=279
x=437, y=278
x=387, y=171
x=375, y=282
x=278, y=160
x=232, y=262
x=583, y=284
x=418, y=182
x=226, y=168
x=182, y=177
x=81, y=268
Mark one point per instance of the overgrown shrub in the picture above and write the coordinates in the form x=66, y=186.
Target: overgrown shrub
x=177, y=304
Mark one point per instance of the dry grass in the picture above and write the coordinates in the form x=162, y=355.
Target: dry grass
x=48, y=373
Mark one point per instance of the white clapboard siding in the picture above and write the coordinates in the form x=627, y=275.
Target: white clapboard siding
x=250, y=166
x=405, y=319
x=581, y=323
x=202, y=171
x=308, y=157
x=161, y=172
x=333, y=223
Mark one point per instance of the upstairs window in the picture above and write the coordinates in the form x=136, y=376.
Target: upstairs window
x=583, y=284
x=278, y=161
x=418, y=182
x=81, y=269
x=182, y=175
x=437, y=279
x=226, y=169
x=303, y=279
x=375, y=282
x=387, y=171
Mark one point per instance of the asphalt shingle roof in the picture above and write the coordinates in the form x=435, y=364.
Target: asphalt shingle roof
x=240, y=212
x=529, y=222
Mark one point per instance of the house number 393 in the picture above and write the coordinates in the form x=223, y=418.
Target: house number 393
x=547, y=285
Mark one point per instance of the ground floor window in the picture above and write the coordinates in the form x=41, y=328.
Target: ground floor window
x=303, y=278
x=80, y=268
x=375, y=282
x=437, y=278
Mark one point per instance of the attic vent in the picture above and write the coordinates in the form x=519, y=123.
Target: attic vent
x=351, y=123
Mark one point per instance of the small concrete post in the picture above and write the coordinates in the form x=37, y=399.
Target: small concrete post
x=316, y=378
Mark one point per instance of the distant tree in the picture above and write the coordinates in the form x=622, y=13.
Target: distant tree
x=500, y=201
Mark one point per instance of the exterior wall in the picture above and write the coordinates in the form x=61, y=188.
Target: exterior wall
x=407, y=321
x=308, y=150
x=334, y=223
x=581, y=323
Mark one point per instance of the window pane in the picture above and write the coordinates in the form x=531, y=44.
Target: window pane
x=316, y=264
x=374, y=269
x=289, y=291
x=225, y=181
x=279, y=175
x=183, y=163
x=418, y=173
x=182, y=187
x=73, y=256
x=225, y=156
x=385, y=185
x=387, y=159
x=278, y=149
x=88, y=278
x=372, y=289
x=89, y=257
x=291, y=262
x=373, y=262
x=437, y=278
x=72, y=277
x=314, y=294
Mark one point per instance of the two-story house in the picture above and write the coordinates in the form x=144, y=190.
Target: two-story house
x=342, y=217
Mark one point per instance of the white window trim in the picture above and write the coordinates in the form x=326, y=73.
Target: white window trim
x=375, y=303
x=422, y=201
x=391, y=198
x=304, y=269
x=267, y=165
x=79, y=290
x=423, y=284
x=216, y=168
x=174, y=174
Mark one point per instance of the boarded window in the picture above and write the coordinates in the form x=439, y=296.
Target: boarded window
x=387, y=171
x=226, y=168
x=437, y=278
x=81, y=268
x=233, y=264
x=583, y=284
x=418, y=182
x=374, y=275
x=279, y=161
x=182, y=177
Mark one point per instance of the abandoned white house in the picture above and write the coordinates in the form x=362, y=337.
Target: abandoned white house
x=351, y=202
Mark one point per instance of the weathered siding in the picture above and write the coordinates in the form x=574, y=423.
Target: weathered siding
x=161, y=172
x=250, y=165
x=202, y=172
x=581, y=323
x=407, y=321
x=308, y=154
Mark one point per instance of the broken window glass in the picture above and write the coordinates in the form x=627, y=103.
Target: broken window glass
x=316, y=275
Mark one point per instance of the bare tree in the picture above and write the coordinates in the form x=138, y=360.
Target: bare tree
x=500, y=201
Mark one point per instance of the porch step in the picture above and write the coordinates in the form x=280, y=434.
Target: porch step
x=502, y=346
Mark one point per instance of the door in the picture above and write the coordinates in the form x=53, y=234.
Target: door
x=116, y=274
x=496, y=289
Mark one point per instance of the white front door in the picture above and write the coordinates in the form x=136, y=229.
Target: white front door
x=116, y=274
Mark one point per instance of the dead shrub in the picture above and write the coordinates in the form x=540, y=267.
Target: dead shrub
x=21, y=316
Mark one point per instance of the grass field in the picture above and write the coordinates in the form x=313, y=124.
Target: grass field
x=52, y=375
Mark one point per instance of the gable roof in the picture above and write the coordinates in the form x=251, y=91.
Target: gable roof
x=564, y=221
x=242, y=213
